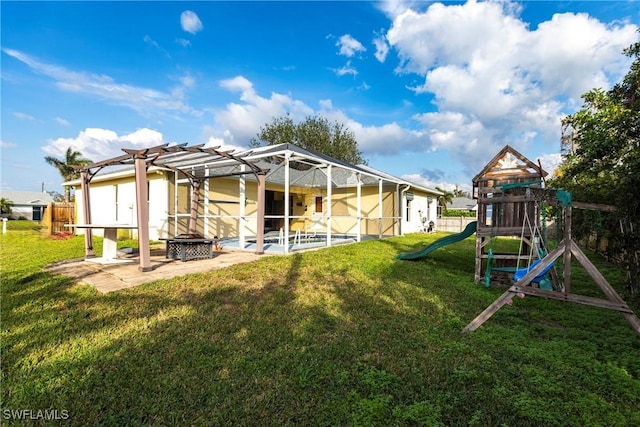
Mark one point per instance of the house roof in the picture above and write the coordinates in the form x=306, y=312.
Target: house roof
x=307, y=168
x=26, y=198
x=403, y=181
x=462, y=204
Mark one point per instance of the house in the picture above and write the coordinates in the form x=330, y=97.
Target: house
x=26, y=204
x=282, y=188
x=462, y=204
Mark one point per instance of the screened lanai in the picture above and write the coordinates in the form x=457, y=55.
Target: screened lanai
x=306, y=194
x=250, y=199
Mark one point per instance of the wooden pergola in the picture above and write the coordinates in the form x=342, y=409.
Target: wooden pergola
x=196, y=162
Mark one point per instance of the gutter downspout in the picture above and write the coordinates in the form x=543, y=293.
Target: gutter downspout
x=400, y=207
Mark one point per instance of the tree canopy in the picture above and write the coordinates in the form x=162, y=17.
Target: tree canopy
x=6, y=206
x=603, y=162
x=314, y=133
x=445, y=198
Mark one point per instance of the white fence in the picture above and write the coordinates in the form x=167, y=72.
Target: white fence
x=453, y=224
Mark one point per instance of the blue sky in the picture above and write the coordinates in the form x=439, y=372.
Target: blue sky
x=431, y=90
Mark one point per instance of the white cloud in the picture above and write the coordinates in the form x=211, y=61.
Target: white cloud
x=494, y=80
x=550, y=162
x=101, y=144
x=393, y=8
x=147, y=39
x=62, y=122
x=143, y=100
x=433, y=183
x=24, y=116
x=183, y=42
x=238, y=122
x=349, y=46
x=237, y=84
x=389, y=138
x=6, y=144
x=190, y=22
x=347, y=69
x=382, y=48
x=222, y=146
x=325, y=104
x=558, y=53
x=186, y=83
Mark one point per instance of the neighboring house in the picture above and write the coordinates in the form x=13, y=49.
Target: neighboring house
x=26, y=204
x=324, y=195
x=463, y=204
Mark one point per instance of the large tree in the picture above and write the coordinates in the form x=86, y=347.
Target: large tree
x=314, y=133
x=66, y=167
x=602, y=164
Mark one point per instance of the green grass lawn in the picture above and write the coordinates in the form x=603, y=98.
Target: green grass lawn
x=340, y=336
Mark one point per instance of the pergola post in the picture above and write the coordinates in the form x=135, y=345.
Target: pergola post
x=207, y=186
x=260, y=207
x=195, y=200
x=380, y=210
x=359, y=207
x=142, y=198
x=86, y=211
x=287, y=177
x=243, y=208
x=329, y=196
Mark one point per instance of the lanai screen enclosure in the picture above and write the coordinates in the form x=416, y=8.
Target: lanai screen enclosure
x=283, y=188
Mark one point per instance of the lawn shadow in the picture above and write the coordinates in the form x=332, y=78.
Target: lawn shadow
x=340, y=336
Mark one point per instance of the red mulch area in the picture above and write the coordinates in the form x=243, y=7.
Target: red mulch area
x=61, y=235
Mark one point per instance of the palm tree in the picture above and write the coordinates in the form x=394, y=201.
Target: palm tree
x=66, y=167
x=445, y=198
x=6, y=206
x=459, y=193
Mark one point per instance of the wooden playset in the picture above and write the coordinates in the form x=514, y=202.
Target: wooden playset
x=510, y=192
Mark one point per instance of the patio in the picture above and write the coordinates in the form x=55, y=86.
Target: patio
x=114, y=277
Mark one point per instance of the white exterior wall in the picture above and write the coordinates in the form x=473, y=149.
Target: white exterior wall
x=22, y=211
x=419, y=208
x=116, y=204
x=103, y=205
x=125, y=203
x=158, y=207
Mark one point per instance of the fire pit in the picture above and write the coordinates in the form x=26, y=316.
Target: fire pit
x=189, y=246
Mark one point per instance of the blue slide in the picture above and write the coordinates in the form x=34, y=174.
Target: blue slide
x=444, y=241
x=541, y=279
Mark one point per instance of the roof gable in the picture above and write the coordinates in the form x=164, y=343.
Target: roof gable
x=512, y=164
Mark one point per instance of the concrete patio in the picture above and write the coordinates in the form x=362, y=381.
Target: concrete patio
x=113, y=277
